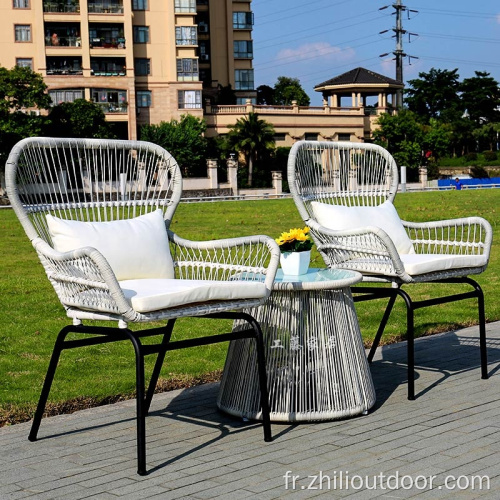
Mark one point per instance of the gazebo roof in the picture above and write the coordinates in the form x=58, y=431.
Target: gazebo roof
x=359, y=77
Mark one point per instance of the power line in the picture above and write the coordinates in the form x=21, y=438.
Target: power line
x=459, y=13
x=308, y=10
x=464, y=38
x=315, y=28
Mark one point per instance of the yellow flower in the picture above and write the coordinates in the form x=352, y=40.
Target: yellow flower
x=295, y=240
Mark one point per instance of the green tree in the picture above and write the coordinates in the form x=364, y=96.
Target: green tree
x=80, y=118
x=437, y=138
x=184, y=139
x=225, y=95
x=265, y=95
x=288, y=89
x=435, y=95
x=481, y=97
x=253, y=137
x=21, y=90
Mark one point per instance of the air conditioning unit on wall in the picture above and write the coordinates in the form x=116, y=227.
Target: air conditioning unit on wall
x=204, y=57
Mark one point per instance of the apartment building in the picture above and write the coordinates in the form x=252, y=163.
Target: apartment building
x=142, y=61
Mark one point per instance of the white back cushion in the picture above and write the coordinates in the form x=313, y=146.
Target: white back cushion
x=384, y=216
x=135, y=248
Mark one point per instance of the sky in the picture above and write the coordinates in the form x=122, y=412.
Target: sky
x=316, y=40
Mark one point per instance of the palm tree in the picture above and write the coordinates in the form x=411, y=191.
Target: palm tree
x=251, y=136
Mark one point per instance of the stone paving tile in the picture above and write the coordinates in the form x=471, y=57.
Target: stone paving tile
x=197, y=452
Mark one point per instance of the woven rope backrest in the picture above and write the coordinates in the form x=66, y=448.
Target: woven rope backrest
x=340, y=173
x=89, y=180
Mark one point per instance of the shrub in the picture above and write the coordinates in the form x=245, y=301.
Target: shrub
x=479, y=173
x=490, y=155
x=471, y=156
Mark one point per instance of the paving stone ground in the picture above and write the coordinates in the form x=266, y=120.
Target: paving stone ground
x=449, y=435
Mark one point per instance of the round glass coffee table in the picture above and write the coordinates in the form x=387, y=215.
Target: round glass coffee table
x=316, y=362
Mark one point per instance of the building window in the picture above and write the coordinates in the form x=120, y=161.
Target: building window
x=139, y=4
x=311, y=136
x=24, y=62
x=242, y=20
x=185, y=6
x=344, y=137
x=243, y=79
x=141, y=34
x=189, y=99
x=187, y=70
x=143, y=98
x=186, y=35
x=67, y=95
x=22, y=33
x=21, y=4
x=279, y=137
x=243, y=49
x=142, y=66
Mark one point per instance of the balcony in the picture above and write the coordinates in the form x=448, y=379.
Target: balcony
x=107, y=36
x=64, y=66
x=108, y=66
x=111, y=101
x=62, y=34
x=72, y=6
x=105, y=7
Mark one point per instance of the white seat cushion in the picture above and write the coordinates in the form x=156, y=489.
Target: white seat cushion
x=428, y=263
x=135, y=248
x=340, y=218
x=155, y=294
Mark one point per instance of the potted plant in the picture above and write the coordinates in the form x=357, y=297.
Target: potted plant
x=295, y=246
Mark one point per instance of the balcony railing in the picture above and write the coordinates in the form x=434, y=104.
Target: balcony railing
x=63, y=41
x=108, y=73
x=110, y=107
x=105, y=8
x=64, y=71
x=119, y=43
x=61, y=7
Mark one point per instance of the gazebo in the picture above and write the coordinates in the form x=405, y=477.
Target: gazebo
x=360, y=84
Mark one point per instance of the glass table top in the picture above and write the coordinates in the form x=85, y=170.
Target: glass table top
x=316, y=279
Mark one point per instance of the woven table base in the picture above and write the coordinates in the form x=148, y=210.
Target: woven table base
x=316, y=362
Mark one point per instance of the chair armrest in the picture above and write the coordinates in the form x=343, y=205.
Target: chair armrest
x=464, y=236
x=226, y=259
x=368, y=250
x=83, y=279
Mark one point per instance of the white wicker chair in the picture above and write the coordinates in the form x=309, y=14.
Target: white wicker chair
x=344, y=192
x=95, y=180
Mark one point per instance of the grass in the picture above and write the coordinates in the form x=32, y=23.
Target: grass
x=31, y=315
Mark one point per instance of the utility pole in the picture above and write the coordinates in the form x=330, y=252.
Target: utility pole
x=399, y=53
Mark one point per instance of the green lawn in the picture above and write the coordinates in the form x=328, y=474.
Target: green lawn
x=32, y=315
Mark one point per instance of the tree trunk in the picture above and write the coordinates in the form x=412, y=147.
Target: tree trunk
x=250, y=170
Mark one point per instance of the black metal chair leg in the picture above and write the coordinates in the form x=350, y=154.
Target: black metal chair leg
x=140, y=403
x=158, y=364
x=381, y=327
x=264, y=396
x=47, y=384
x=482, y=329
x=410, y=339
